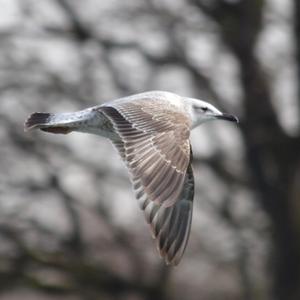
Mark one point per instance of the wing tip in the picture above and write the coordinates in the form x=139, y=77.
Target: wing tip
x=172, y=262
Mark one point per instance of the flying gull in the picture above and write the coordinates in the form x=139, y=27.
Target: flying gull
x=151, y=132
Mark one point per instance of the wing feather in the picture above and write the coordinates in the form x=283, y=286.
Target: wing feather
x=156, y=147
x=157, y=154
x=170, y=226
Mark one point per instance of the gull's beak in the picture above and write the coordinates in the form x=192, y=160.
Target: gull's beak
x=228, y=117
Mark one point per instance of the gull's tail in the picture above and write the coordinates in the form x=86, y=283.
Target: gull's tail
x=46, y=122
x=53, y=123
x=59, y=123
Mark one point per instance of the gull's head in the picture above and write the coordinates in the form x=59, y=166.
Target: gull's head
x=201, y=112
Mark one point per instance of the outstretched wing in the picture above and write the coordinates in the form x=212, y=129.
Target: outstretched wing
x=170, y=226
x=155, y=148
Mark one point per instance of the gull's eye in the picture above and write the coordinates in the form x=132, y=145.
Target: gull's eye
x=202, y=109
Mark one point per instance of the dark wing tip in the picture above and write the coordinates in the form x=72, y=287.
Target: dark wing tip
x=36, y=119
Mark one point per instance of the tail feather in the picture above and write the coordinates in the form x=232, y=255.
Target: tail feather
x=43, y=121
x=37, y=119
x=57, y=129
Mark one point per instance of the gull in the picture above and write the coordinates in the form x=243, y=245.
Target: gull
x=151, y=132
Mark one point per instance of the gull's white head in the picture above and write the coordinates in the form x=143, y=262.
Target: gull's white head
x=201, y=112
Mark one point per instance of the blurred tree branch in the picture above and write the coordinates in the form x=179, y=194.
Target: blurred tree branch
x=272, y=155
x=297, y=50
x=80, y=272
x=266, y=143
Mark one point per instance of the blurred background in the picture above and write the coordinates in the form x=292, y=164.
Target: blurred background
x=70, y=227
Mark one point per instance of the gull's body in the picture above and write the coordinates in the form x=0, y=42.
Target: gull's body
x=151, y=132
